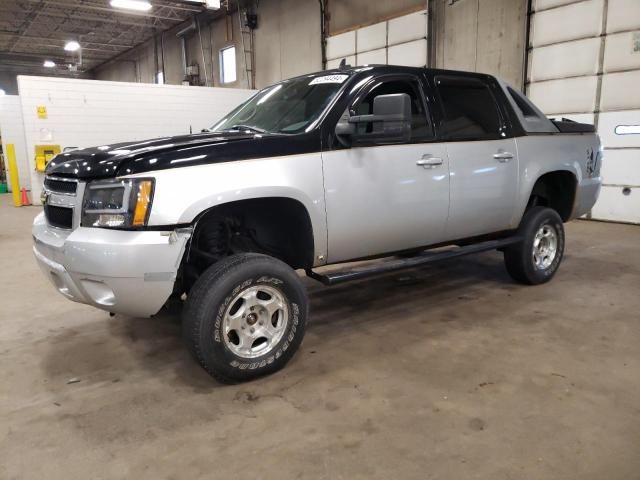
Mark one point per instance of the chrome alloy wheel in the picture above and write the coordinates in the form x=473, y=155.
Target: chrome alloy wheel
x=545, y=247
x=255, y=321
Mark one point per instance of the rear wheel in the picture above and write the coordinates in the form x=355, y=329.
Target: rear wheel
x=536, y=258
x=245, y=317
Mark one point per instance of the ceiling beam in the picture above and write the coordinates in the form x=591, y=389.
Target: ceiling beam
x=64, y=38
x=24, y=26
x=118, y=12
x=87, y=18
x=37, y=60
x=44, y=51
x=38, y=29
x=38, y=56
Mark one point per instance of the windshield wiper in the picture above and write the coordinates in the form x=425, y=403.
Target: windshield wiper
x=246, y=127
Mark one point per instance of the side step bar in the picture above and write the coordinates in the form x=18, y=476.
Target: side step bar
x=357, y=273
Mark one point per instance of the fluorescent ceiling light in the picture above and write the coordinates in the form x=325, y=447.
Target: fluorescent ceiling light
x=49, y=64
x=139, y=5
x=212, y=4
x=71, y=46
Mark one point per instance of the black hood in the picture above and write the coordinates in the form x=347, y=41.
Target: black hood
x=175, y=152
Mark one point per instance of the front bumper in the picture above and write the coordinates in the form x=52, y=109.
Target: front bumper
x=128, y=272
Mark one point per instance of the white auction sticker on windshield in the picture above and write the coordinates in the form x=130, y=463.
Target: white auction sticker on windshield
x=329, y=79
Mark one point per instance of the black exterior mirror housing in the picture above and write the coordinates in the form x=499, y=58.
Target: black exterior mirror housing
x=390, y=122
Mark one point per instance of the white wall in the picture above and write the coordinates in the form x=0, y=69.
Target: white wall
x=85, y=113
x=12, y=131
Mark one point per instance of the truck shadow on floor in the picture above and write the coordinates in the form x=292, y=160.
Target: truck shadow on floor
x=113, y=349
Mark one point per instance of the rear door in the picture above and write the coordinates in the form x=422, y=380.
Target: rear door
x=483, y=161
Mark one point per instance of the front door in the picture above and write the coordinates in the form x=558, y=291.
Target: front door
x=387, y=198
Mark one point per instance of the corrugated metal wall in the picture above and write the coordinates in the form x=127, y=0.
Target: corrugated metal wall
x=481, y=36
x=287, y=40
x=584, y=64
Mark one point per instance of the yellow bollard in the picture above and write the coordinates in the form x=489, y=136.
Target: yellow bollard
x=13, y=174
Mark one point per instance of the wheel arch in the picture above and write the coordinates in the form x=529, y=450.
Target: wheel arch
x=290, y=215
x=554, y=188
x=313, y=208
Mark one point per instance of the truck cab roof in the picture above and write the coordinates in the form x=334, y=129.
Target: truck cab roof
x=382, y=69
x=525, y=114
x=530, y=118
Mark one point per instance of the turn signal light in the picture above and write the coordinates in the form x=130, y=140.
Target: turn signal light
x=142, y=203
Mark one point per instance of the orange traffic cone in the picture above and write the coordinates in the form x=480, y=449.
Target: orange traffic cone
x=25, y=197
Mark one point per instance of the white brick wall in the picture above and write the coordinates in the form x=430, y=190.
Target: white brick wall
x=85, y=113
x=12, y=131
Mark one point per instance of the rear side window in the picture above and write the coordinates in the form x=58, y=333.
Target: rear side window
x=469, y=108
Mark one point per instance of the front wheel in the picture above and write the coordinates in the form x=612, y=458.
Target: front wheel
x=245, y=317
x=536, y=258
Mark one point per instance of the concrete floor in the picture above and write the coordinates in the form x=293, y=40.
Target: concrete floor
x=449, y=372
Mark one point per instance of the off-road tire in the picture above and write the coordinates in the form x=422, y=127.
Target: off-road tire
x=208, y=300
x=518, y=258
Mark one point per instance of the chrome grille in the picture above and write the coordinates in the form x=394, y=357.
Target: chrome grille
x=61, y=185
x=62, y=201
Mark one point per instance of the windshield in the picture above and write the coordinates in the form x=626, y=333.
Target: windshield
x=286, y=107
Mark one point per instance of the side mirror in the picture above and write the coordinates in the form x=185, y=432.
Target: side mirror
x=390, y=122
x=344, y=127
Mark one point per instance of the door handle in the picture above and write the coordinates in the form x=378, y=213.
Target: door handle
x=503, y=157
x=429, y=162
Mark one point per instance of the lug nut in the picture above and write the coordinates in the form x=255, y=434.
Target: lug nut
x=252, y=330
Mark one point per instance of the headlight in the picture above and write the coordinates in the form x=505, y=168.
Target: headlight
x=117, y=204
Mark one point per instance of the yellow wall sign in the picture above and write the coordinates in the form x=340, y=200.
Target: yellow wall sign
x=44, y=154
x=42, y=111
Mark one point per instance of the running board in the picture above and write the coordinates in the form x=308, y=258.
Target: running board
x=357, y=273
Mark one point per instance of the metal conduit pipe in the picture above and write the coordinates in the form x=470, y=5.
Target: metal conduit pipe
x=183, y=43
x=323, y=32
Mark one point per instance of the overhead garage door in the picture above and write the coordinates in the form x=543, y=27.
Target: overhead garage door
x=584, y=64
x=399, y=41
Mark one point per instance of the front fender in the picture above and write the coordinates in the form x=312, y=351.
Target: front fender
x=181, y=194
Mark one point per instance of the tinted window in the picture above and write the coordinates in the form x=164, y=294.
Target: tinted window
x=470, y=111
x=420, y=127
x=286, y=107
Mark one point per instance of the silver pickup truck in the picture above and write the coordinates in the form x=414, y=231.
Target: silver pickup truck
x=326, y=168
